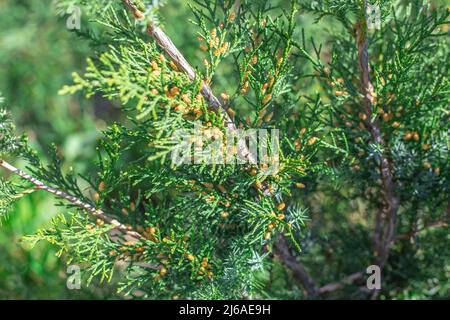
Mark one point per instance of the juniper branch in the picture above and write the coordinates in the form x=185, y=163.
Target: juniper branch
x=180, y=61
x=443, y=222
x=340, y=284
x=98, y=213
x=182, y=64
x=383, y=239
x=298, y=270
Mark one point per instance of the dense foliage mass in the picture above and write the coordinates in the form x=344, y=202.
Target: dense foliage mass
x=358, y=177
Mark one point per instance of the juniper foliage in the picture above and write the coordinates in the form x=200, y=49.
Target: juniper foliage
x=374, y=130
x=137, y=185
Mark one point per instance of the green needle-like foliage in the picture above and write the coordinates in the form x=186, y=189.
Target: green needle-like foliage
x=367, y=123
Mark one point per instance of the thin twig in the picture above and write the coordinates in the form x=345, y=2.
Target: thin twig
x=438, y=224
x=341, y=284
x=98, y=213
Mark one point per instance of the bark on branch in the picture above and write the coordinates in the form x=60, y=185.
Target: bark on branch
x=341, y=284
x=442, y=222
x=386, y=218
x=98, y=213
x=298, y=271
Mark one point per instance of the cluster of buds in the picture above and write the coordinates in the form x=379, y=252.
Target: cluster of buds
x=312, y=141
x=203, y=265
x=410, y=135
x=338, y=84
x=156, y=70
x=158, y=66
x=213, y=133
x=276, y=219
x=428, y=166
x=149, y=233
x=101, y=188
x=263, y=116
x=214, y=43
x=205, y=268
x=245, y=87
x=298, y=141
x=183, y=103
x=231, y=17
x=386, y=116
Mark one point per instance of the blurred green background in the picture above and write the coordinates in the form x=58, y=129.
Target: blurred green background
x=37, y=56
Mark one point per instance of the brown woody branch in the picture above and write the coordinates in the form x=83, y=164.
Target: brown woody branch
x=437, y=224
x=386, y=218
x=98, y=213
x=341, y=284
x=281, y=250
x=440, y=223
